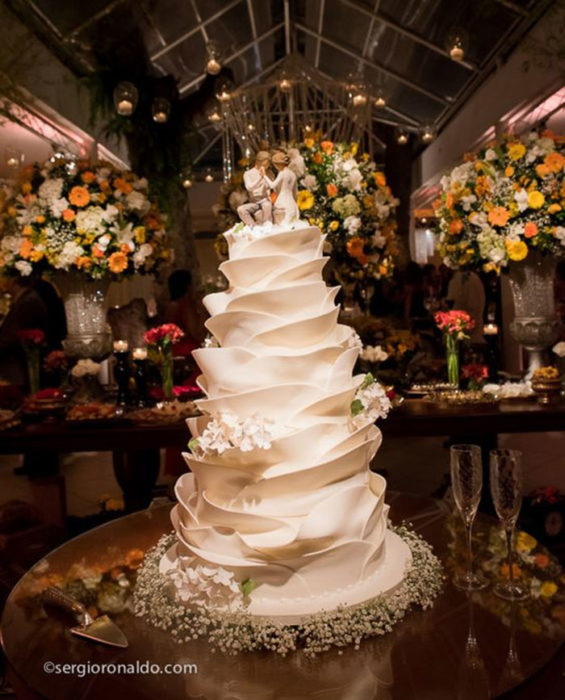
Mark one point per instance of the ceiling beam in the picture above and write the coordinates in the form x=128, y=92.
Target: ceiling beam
x=106, y=10
x=287, y=43
x=194, y=30
x=387, y=71
x=201, y=25
x=320, y=28
x=370, y=30
x=236, y=54
x=356, y=5
x=517, y=9
x=251, y=14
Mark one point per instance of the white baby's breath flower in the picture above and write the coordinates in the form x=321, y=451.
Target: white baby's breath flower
x=521, y=199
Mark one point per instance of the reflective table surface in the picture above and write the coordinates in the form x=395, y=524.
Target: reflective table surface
x=468, y=647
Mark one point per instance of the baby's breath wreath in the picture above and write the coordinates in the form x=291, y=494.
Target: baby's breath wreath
x=242, y=632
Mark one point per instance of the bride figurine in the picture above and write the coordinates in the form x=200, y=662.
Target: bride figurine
x=285, y=209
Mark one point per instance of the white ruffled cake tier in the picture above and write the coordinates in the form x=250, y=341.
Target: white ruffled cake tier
x=301, y=516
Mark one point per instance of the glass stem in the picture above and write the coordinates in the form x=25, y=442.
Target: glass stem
x=469, y=527
x=509, y=532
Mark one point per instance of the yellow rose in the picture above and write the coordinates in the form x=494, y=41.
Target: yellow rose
x=517, y=250
x=554, y=208
x=548, y=589
x=509, y=171
x=309, y=143
x=140, y=234
x=305, y=200
x=516, y=151
x=334, y=225
x=536, y=200
x=525, y=542
x=354, y=148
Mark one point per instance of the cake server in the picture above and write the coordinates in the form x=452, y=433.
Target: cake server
x=101, y=629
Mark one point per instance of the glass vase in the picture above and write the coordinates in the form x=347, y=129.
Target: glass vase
x=535, y=325
x=167, y=371
x=33, y=369
x=88, y=334
x=452, y=350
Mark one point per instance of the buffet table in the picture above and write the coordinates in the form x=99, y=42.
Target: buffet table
x=135, y=447
x=460, y=644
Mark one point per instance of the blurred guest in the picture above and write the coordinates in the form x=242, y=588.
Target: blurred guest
x=57, y=322
x=413, y=292
x=467, y=293
x=26, y=312
x=185, y=309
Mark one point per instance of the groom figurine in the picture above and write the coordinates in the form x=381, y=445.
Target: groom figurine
x=258, y=210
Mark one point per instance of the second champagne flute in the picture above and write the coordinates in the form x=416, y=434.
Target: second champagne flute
x=467, y=484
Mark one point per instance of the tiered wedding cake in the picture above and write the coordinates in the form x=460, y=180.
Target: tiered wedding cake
x=281, y=503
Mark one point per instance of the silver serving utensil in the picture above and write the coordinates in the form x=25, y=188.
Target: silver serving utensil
x=101, y=629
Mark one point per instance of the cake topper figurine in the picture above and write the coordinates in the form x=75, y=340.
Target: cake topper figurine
x=286, y=209
x=259, y=209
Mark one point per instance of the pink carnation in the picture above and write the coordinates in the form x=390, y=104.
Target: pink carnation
x=454, y=322
x=34, y=336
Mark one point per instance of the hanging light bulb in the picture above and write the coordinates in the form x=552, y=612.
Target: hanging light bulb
x=285, y=84
x=214, y=115
x=213, y=65
x=126, y=96
x=223, y=92
x=380, y=99
x=187, y=182
x=359, y=99
x=161, y=108
x=208, y=177
x=14, y=158
x=428, y=133
x=402, y=136
x=456, y=43
x=250, y=127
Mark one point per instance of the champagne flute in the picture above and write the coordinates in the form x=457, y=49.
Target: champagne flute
x=506, y=490
x=467, y=483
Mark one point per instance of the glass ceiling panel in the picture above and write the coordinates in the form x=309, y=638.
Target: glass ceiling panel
x=171, y=18
x=485, y=21
x=232, y=29
x=67, y=16
x=185, y=61
x=207, y=8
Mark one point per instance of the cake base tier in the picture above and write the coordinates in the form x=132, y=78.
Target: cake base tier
x=394, y=562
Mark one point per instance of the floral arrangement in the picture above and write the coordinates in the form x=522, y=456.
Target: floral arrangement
x=163, y=338
x=85, y=368
x=56, y=361
x=226, y=431
x=454, y=323
x=373, y=353
x=240, y=632
x=349, y=200
x=544, y=374
x=370, y=403
x=346, y=197
x=475, y=374
x=31, y=340
x=67, y=215
x=503, y=202
x=205, y=587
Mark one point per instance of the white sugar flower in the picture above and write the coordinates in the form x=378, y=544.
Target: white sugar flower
x=370, y=403
x=373, y=353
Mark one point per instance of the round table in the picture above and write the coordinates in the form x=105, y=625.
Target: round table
x=459, y=643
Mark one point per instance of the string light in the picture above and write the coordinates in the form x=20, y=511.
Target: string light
x=428, y=134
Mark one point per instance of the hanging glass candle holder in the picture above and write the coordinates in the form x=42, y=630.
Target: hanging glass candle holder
x=161, y=110
x=126, y=96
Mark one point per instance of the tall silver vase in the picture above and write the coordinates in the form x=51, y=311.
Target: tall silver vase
x=88, y=334
x=535, y=325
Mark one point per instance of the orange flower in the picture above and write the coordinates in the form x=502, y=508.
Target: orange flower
x=83, y=262
x=327, y=147
x=530, y=229
x=505, y=571
x=554, y=161
x=79, y=196
x=380, y=179
x=362, y=259
x=482, y=185
x=105, y=186
x=134, y=558
x=309, y=143
x=317, y=158
x=97, y=252
x=26, y=248
x=449, y=200
x=26, y=187
x=125, y=248
x=355, y=246
x=331, y=189
x=68, y=215
x=88, y=176
x=509, y=171
x=542, y=170
x=40, y=219
x=541, y=560
x=455, y=227
x=498, y=216
x=117, y=262
x=27, y=230
x=153, y=223
x=123, y=186
x=273, y=197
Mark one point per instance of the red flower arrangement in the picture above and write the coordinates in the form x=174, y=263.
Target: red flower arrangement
x=167, y=333
x=56, y=360
x=475, y=371
x=454, y=322
x=33, y=336
x=49, y=393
